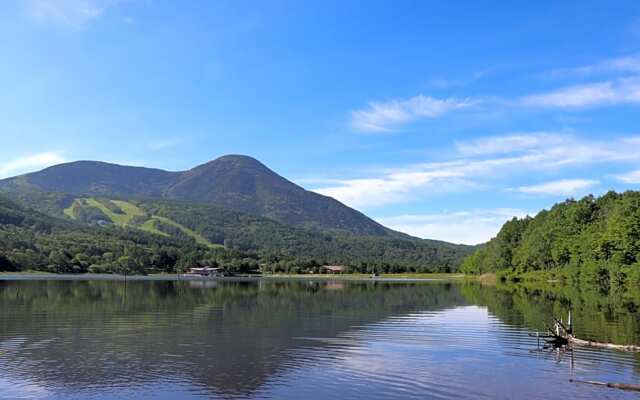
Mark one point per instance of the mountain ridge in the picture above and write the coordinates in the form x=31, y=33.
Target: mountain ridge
x=238, y=182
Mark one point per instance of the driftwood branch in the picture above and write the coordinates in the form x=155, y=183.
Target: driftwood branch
x=623, y=386
x=589, y=343
x=562, y=335
x=561, y=325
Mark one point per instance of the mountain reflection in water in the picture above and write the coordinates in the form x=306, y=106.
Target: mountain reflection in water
x=282, y=339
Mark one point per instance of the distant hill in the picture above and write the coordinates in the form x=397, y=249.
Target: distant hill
x=237, y=182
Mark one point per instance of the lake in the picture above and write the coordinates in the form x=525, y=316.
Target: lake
x=302, y=339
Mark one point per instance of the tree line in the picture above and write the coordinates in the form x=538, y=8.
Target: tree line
x=33, y=240
x=592, y=240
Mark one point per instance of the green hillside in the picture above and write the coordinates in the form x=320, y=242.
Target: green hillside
x=596, y=240
x=274, y=241
x=31, y=240
x=127, y=214
x=278, y=247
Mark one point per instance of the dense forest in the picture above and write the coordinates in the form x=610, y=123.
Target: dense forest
x=157, y=236
x=274, y=241
x=30, y=240
x=592, y=240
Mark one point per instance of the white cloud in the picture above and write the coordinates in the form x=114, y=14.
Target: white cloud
x=74, y=13
x=29, y=163
x=632, y=177
x=613, y=92
x=389, y=115
x=498, y=158
x=466, y=227
x=394, y=187
x=619, y=65
x=562, y=187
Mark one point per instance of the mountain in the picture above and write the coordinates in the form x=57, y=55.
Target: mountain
x=237, y=182
x=232, y=211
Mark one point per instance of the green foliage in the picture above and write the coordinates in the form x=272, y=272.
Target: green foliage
x=30, y=240
x=282, y=248
x=169, y=237
x=596, y=240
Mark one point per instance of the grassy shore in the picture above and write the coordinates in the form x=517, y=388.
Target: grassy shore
x=402, y=276
x=382, y=277
x=27, y=273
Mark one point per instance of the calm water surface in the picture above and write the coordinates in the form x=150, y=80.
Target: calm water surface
x=293, y=340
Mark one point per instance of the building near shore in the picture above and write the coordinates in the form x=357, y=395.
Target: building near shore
x=205, y=271
x=333, y=269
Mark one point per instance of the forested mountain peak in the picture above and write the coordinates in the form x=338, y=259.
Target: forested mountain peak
x=238, y=182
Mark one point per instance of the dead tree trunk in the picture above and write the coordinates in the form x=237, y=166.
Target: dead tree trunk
x=562, y=335
x=623, y=386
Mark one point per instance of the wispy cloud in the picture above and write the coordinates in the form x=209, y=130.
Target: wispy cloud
x=620, y=87
x=612, y=92
x=508, y=144
x=394, y=187
x=29, y=163
x=498, y=158
x=629, y=64
x=466, y=227
x=632, y=177
x=562, y=187
x=73, y=13
x=389, y=115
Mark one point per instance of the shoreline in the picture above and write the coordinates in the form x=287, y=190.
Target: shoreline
x=41, y=276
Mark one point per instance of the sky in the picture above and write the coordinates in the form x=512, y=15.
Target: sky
x=439, y=119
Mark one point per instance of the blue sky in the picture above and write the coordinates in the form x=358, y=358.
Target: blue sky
x=440, y=120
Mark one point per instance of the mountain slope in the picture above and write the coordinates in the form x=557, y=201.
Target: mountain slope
x=237, y=182
x=31, y=240
x=106, y=235
x=215, y=226
x=95, y=178
x=244, y=184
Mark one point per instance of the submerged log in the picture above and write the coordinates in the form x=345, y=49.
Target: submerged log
x=588, y=343
x=623, y=386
